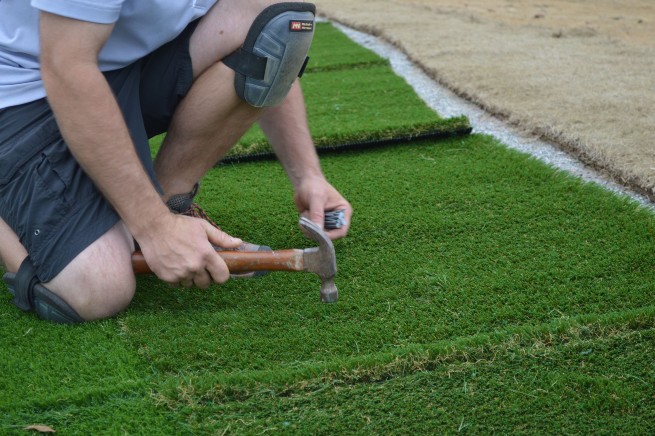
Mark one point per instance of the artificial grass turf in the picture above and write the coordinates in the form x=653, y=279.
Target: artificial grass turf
x=43, y=364
x=332, y=50
x=457, y=245
x=448, y=240
x=353, y=95
x=581, y=378
x=572, y=383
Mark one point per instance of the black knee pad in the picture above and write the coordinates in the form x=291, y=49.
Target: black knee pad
x=30, y=295
x=274, y=53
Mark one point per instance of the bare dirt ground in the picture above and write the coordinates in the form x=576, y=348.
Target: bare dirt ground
x=578, y=72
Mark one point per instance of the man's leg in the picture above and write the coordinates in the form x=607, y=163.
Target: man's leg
x=12, y=252
x=206, y=124
x=97, y=284
x=79, y=250
x=211, y=118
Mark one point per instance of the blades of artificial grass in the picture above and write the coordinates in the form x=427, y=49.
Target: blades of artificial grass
x=452, y=127
x=333, y=50
x=353, y=95
x=301, y=406
x=130, y=413
x=299, y=379
x=45, y=364
x=452, y=240
x=575, y=384
x=449, y=240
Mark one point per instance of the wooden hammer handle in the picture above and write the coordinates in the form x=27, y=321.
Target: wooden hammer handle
x=243, y=261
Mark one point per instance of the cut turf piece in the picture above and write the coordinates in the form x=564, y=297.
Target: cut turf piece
x=351, y=106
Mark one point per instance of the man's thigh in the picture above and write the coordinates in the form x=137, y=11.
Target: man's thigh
x=166, y=76
x=45, y=197
x=12, y=252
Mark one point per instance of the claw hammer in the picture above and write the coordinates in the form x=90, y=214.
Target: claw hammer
x=319, y=260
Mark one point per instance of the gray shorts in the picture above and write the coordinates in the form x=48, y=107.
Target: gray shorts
x=45, y=197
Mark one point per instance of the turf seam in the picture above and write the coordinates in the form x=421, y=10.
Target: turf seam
x=412, y=359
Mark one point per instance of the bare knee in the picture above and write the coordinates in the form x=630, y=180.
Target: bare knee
x=99, y=283
x=71, y=298
x=96, y=299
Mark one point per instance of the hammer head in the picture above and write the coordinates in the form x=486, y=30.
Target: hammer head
x=320, y=260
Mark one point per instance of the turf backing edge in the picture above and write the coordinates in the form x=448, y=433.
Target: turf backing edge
x=361, y=141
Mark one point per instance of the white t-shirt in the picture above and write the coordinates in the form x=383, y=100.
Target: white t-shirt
x=141, y=26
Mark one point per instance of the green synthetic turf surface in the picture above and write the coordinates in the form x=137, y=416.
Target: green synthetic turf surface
x=479, y=291
x=577, y=385
x=463, y=258
x=332, y=50
x=448, y=247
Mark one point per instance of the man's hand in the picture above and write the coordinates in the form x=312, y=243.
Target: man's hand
x=314, y=196
x=288, y=132
x=180, y=251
